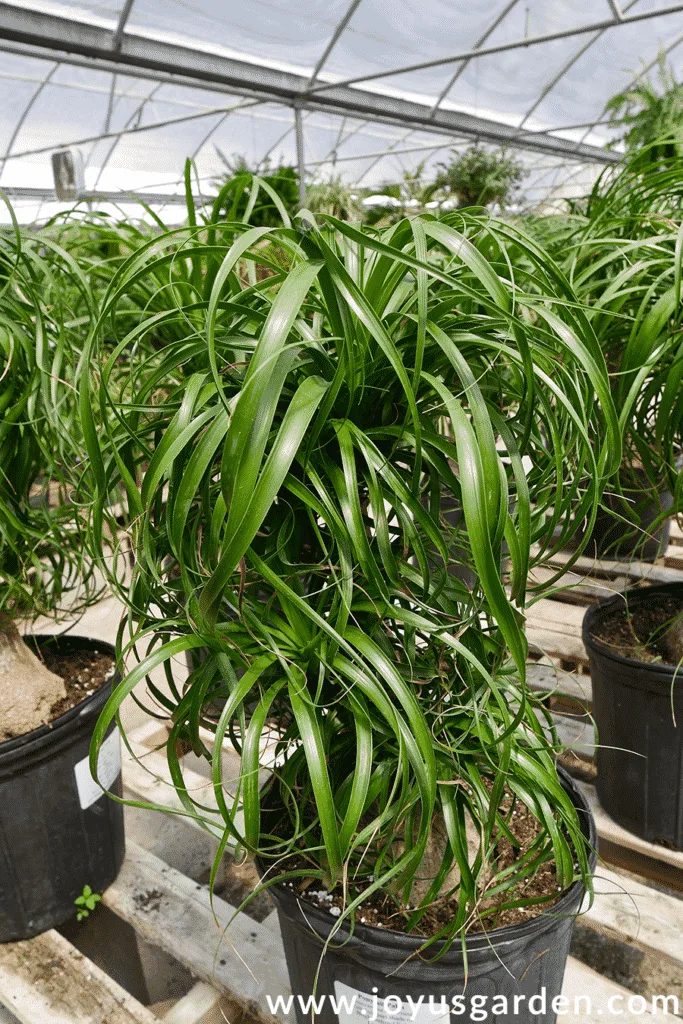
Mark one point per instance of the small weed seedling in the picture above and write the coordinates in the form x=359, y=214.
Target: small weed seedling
x=86, y=902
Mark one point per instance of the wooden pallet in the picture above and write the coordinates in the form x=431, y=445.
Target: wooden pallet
x=559, y=671
x=239, y=959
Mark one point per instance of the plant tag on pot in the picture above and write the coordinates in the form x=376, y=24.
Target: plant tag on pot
x=356, y=1007
x=109, y=769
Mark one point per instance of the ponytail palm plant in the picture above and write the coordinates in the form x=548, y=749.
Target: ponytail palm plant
x=287, y=460
x=623, y=259
x=42, y=555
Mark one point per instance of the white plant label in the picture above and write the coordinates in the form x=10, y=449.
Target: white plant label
x=356, y=1007
x=109, y=769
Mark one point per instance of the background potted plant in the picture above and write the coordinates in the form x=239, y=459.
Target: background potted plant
x=285, y=502
x=651, y=118
x=57, y=832
x=622, y=257
x=480, y=176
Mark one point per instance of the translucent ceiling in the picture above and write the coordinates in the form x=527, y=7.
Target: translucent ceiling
x=380, y=86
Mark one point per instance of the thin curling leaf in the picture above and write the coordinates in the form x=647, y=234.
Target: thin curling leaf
x=678, y=260
x=128, y=684
x=252, y=417
x=239, y=535
x=357, y=302
x=362, y=775
x=237, y=696
x=180, y=431
x=425, y=776
x=518, y=533
x=193, y=474
x=461, y=247
x=309, y=730
x=480, y=417
x=348, y=491
x=647, y=333
x=596, y=369
x=250, y=766
x=401, y=691
x=236, y=251
x=479, y=515
x=279, y=205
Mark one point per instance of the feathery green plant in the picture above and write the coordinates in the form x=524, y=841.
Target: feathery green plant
x=479, y=176
x=652, y=119
x=237, y=198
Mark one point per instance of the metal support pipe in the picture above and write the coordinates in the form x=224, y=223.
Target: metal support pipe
x=117, y=38
x=556, y=79
x=514, y=44
x=24, y=192
x=477, y=46
x=37, y=33
x=133, y=130
x=616, y=10
x=24, y=114
x=300, y=157
x=341, y=25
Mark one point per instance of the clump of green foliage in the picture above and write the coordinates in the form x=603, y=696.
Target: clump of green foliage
x=43, y=296
x=620, y=249
x=651, y=116
x=334, y=197
x=287, y=502
x=480, y=177
x=238, y=200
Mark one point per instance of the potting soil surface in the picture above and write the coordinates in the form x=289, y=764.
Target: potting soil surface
x=384, y=911
x=636, y=632
x=83, y=673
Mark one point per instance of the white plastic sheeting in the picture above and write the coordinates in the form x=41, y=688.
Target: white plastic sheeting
x=136, y=132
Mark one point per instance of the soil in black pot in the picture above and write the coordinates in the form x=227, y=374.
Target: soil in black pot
x=382, y=910
x=638, y=709
x=643, y=631
x=83, y=672
x=519, y=962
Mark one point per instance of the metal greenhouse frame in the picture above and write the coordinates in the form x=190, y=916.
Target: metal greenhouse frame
x=120, y=49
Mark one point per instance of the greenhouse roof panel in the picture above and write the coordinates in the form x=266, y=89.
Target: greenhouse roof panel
x=139, y=85
x=274, y=30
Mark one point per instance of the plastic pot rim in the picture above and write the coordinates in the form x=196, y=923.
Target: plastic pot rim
x=67, y=722
x=638, y=595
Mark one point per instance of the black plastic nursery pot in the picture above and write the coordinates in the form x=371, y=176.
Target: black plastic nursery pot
x=58, y=830
x=375, y=969
x=612, y=538
x=638, y=711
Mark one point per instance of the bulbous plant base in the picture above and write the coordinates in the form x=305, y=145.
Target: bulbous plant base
x=28, y=690
x=638, y=711
x=434, y=854
x=58, y=829
x=375, y=968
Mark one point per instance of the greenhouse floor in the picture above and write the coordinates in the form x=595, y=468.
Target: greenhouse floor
x=152, y=951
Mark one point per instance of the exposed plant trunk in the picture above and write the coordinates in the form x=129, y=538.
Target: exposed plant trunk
x=434, y=854
x=28, y=690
